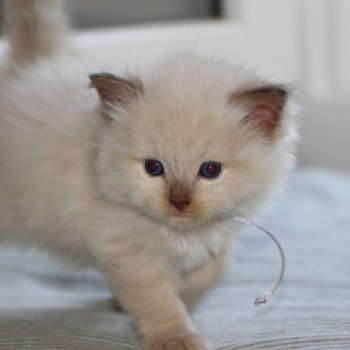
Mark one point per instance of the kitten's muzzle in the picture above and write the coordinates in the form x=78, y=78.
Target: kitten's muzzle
x=179, y=205
x=180, y=195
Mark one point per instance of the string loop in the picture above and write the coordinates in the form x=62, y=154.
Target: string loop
x=266, y=294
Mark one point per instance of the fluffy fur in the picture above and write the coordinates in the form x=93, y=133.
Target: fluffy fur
x=72, y=152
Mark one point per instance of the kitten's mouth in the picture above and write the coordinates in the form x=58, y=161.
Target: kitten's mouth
x=187, y=220
x=182, y=215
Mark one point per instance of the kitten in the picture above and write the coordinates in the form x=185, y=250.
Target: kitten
x=135, y=174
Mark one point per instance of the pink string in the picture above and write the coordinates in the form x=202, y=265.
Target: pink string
x=266, y=294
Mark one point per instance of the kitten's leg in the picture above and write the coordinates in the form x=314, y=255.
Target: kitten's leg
x=145, y=290
x=203, y=279
x=117, y=306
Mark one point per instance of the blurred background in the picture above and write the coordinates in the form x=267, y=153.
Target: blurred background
x=305, y=42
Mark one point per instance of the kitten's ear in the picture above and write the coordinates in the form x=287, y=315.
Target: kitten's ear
x=264, y=106
x=114, y=91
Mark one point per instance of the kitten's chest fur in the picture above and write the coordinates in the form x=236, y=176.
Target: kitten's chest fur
x=189, y=251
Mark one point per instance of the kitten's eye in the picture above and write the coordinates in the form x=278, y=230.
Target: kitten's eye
x=154, y=167
x=210, y=169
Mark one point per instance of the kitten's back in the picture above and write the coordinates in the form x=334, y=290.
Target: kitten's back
x=46, y=117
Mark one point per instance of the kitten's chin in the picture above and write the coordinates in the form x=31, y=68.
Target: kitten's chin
x=184, y=221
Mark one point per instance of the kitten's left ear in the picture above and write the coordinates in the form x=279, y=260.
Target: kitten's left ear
x=115, y=91
x=264, y=106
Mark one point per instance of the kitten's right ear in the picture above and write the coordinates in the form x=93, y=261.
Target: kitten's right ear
x=264, y=106
x=115, y=92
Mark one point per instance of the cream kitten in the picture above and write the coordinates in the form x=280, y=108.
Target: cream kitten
x=138, y=173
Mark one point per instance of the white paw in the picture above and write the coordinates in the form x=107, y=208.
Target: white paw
x=191, y=341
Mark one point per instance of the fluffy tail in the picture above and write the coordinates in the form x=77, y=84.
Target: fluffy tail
x=35, y=28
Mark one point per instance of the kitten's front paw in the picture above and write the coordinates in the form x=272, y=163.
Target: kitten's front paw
x=191, y=341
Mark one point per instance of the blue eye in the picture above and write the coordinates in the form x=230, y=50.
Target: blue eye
x=154, y=167
x=210, y=169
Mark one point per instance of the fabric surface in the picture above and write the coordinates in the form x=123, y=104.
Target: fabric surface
x=44, y=306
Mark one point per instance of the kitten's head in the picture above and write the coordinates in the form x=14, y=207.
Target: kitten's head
x=192, y=141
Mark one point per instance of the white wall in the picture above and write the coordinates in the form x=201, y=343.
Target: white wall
x=270, y=27
x=326, y=123
x=308, y=40
x=341, y=46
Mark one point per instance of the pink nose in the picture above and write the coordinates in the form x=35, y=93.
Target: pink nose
x=180, y=205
